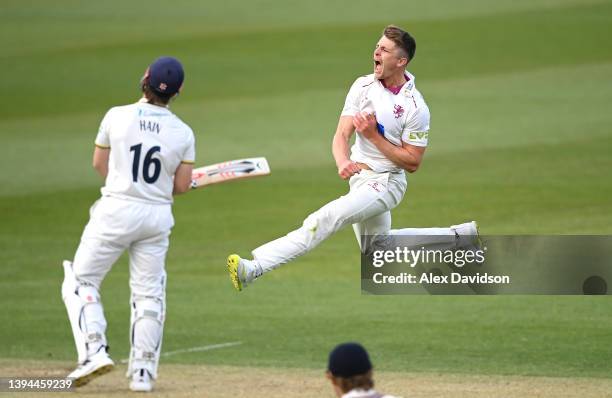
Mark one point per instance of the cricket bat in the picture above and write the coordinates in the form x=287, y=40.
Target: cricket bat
x=229, y=171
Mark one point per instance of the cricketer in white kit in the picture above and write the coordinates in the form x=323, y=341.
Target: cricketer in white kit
x=146, y=154
x=391, y=119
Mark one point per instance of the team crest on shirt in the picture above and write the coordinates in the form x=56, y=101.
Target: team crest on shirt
x=398, y=111
x=375, y=186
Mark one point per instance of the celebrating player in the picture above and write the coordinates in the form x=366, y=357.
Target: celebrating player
x=146, y=155
x=391, y=119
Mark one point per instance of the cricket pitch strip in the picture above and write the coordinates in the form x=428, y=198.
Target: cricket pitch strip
x=232, y=381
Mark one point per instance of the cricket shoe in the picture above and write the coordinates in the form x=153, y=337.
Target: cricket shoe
x=242, y=271
x=141, y=381
x=94, y=366
x=468, y=236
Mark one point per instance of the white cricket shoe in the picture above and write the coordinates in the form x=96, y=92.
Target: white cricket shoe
x=468, y=236
x=242, y=271
x=94, y=366
x=141, y=381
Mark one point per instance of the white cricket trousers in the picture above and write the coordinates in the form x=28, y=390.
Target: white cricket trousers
x=367, y=206
x=143, y=229
x=117, y=225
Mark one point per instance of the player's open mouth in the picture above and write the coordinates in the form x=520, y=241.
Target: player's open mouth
x=377, y=66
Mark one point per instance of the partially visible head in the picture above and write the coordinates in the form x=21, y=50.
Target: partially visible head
x=349, y=367
x=394, y=50
x=162, y=80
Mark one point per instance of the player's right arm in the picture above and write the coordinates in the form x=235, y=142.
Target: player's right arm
x=340, y=148
x=182, y=175
x=182, y=178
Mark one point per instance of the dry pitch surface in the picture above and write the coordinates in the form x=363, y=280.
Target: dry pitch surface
x=226, y=381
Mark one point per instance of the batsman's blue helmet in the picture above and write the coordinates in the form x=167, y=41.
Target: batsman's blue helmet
x=165, y=76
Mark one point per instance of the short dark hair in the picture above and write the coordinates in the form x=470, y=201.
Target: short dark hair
x=402, y=39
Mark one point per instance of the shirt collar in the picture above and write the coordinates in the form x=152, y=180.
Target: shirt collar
x=408, y=85
x=410, y=77
x=143, y=100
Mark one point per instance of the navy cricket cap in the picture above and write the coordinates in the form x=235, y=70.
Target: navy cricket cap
x=165, y=75
x=349, y=359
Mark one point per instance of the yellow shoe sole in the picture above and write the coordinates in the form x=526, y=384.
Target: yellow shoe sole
x=81, y=381
x=232, y=267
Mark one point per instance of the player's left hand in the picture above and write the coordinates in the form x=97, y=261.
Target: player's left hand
x=366, y=125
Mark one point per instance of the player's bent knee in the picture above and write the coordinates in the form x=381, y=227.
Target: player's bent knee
x=317, y=226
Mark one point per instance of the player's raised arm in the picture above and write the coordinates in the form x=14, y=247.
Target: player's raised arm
x=340, y=148
x=407, y=156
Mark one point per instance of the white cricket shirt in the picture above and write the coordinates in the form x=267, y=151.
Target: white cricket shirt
x=147, y=144
x=402, y=117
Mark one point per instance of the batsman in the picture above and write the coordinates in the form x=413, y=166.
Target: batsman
x=146, y=154
x=391, y=122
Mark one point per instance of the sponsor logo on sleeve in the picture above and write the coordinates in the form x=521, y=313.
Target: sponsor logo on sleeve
x=421, y=135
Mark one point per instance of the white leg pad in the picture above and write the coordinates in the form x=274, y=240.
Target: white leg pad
x=148, y=314
x=85, y=313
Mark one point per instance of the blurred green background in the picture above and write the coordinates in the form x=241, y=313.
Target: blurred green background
x=520, y=97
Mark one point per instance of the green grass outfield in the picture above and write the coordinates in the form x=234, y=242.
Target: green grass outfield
x=521, y=140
